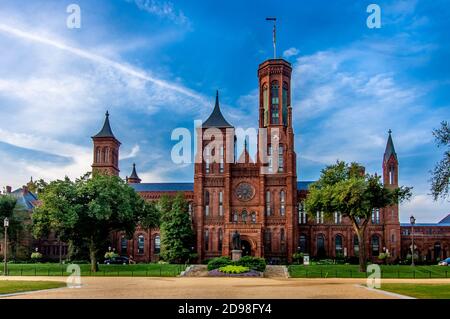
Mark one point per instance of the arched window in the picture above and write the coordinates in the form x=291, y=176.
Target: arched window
x=104, y=154
x=244, y=216
x=266, y=104
x=221, y=160
x=338, y=246
x=253, y=218
x=302, y=243
x=337, y=217
x=107, y=156
x=123, y=245
x=141, y=244
x=206, y=240
x=319, y=217
x=267, y=241
x=190, y=209
x=280, y=158
x=98, y=155
x=302, y=216
x=375, y=245
x=437, y=251
x=321, y=246
x=282, y=240
x=220, y=203
x=391, y=174
x=157, y=244
x=270, y=158
x=268, y=204
x=207, y=159
x=375, y=216
x=282, y=203
x=220, y=242
x=275, y=116
x=207, y=203
x=285, y=103
x=356, y=245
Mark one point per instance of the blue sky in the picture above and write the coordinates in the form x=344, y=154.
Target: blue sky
x=155, y=65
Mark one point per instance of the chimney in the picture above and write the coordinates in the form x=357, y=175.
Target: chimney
x=8, y=189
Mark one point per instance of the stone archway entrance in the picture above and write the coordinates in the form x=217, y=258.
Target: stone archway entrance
x=246, y=248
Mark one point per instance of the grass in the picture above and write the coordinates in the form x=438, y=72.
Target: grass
x=422, y=291
x=10, y=286
x=137, y=270
x=352, y=271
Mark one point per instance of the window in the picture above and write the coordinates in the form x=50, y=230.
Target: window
x=319, y=218
x=220, y=242
x=356, y=245
x=285, y=103
x=206, y=240
x=107, y=155
x=393, y=238
x=253, y=218
x=275, y=103
x=337, y=218
x=338, y=246
x=221, y=160
x=207, y=163
x=270, y=158
x=391, y=174
x=98, y=155
x=302, y=244
x=244, y=216
x=141, y=244
x=267, y=240
x=320, y=246
x=282, y=240
x=302, y=213
x=375, y=245
x=157, y=244
x=220, y=203
x=266, y=104
x=268, y=212
x=206, y=203
x=280, y=159
x=437, y=251
x=282, y=203
x=190, y=209
x=123, y=245
x=376, y=216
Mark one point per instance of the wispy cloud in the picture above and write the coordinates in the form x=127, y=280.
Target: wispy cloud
x=162, y=9
x=291, y=52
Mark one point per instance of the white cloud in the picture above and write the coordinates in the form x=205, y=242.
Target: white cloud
x=162, y=9
x=290, y=52
x=134, y=151
x=424, y=209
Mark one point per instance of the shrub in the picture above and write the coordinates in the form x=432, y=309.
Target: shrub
x=111, y=254
x=219, y=262
x=258, y=264
x=234, y=269
x=298, y=258
x=36, y=256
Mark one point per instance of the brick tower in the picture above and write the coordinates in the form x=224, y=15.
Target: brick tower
x=391, y=213
x=106, y=150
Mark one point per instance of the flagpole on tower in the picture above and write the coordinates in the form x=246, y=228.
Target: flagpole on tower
x=274, y=19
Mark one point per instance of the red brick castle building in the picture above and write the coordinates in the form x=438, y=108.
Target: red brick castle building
x=260, y=199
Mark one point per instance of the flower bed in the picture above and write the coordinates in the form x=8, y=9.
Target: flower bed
x=218, y=273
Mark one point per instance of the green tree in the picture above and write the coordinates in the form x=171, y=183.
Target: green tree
x=177, y=236
x=345, y=188
x=87, y=210
x=440, y=179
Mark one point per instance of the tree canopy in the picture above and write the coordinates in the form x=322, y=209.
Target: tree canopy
x=440, y=179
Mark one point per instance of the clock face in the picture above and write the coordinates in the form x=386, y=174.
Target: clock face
x=245, y=191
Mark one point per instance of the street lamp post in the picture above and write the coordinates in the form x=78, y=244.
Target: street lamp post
x=5, y=253
x=412, y=221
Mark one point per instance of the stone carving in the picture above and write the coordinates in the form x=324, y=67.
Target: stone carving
x=245, y=191
x=236, y=240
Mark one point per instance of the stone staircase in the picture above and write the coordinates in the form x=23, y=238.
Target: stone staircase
x=275, y=271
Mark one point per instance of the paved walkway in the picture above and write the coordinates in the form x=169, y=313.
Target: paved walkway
x=211, y=288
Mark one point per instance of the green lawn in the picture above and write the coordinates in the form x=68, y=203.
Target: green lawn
x=54, y=269
x=422, y=291
x=10, y=286
x=352, y=271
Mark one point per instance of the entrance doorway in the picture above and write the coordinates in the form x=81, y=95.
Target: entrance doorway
x=246, y=248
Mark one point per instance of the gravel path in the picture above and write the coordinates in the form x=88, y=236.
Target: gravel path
x=210, y=288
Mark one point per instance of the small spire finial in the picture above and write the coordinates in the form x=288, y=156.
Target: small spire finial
x=390, y=131
x=107, y=113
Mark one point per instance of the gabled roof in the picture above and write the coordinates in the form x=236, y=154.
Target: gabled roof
x=25, y=199
x=106, y=129
x=390, y=150
x=216, y=118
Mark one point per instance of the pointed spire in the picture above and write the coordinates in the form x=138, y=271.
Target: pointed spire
x=134, y=178
x=216, y=118
x=390, y=150
x=106, y=129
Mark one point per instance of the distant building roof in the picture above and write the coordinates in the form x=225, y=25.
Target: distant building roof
x=425, y=224
x=390, y=150
x=25, y=199
x=216, y=118
x=180, y=187
x=106, y=129
x=445, y=220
